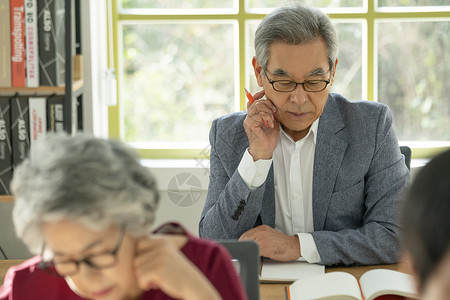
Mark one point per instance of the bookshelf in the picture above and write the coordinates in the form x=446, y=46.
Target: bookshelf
x=73, y=88
x=6, y=198
x=77, y=85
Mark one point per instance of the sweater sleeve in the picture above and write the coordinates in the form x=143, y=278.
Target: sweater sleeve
x=223, y=276
x=214, y=261
x=26, y=281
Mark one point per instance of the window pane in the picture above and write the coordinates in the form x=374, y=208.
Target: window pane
x=315, y=3
x=413, y=74
x=176, y=4
x=389, y=3
x=176, y=79
x=250, y=38
x=348, y=79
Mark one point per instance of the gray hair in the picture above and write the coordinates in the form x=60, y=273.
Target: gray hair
x=295, y=24
x=93, y=181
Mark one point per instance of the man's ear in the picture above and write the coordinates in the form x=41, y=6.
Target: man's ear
x=334, y=72
x=257, y=69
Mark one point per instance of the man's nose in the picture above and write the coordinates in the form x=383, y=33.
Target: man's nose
x=299, y=95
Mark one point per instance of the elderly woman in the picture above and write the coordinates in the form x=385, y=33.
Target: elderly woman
x=86, y=205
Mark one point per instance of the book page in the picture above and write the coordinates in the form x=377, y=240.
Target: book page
x=379, y=282
x=289, y=271
x=334, y=285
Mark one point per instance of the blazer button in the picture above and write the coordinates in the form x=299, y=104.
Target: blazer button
x=235, y=217
x=242, y=202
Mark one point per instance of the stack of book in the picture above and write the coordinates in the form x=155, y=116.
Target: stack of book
x=23, y=121
x=32, y=36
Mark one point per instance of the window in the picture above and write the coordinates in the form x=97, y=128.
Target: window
x=181, y=64
x=176, y=77
x=412, y=79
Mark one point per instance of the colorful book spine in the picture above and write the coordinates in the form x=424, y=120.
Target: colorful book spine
x=55, y=114
x=5, y=44
x=51, y=31
x=18, y=73
x=31, y=42
x=38, y=119
x=20, y=129
x=6, y=170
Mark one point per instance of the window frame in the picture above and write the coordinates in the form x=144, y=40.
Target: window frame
x=369, y=13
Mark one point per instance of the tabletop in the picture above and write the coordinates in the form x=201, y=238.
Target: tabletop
x=276, y=291
x=268, y=291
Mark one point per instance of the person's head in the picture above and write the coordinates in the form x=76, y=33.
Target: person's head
x=81, y=196
x=426, y=220
x=296, y=43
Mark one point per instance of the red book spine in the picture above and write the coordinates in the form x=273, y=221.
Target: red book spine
x=18, y=74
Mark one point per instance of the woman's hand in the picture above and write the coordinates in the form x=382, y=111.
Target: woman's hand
x=160, y=264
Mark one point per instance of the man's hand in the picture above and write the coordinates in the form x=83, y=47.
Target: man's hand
x=262, y=138
x=274, y=244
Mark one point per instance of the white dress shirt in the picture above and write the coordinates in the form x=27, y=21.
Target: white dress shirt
x=293, y=164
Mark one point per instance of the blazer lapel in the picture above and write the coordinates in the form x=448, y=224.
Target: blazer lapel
x=330, y=149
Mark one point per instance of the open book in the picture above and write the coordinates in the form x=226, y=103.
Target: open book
x=341, y=285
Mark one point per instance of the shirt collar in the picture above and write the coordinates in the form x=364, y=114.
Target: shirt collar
x=314, y=127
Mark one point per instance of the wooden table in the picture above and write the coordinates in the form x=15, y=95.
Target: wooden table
x=268, y=291
x=276, y=291
x=5, y=265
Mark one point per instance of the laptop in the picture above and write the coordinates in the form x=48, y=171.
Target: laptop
x=246, y=260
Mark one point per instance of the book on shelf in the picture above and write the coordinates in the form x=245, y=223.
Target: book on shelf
x=51, y=33
x=5, y=146
x=5, y=44
x=38, y=119
x=20, y=128
x=55, y=114
x=18, y=68
x=374, y=284
x=31, y=43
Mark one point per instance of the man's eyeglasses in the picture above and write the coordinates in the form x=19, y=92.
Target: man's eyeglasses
x=70, y=267
x=286, y=86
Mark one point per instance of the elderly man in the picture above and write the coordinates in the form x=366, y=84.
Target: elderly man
x=307, y=174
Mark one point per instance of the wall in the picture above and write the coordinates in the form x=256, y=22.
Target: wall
x=10, y=244
x=189, y=216
x=183, y=186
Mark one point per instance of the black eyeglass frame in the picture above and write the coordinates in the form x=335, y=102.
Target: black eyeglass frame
x=327, y=82
x=50, y=266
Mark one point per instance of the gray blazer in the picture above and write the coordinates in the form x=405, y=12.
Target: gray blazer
x=359, y=174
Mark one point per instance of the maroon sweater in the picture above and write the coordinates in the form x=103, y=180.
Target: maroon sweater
x=26, y=281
